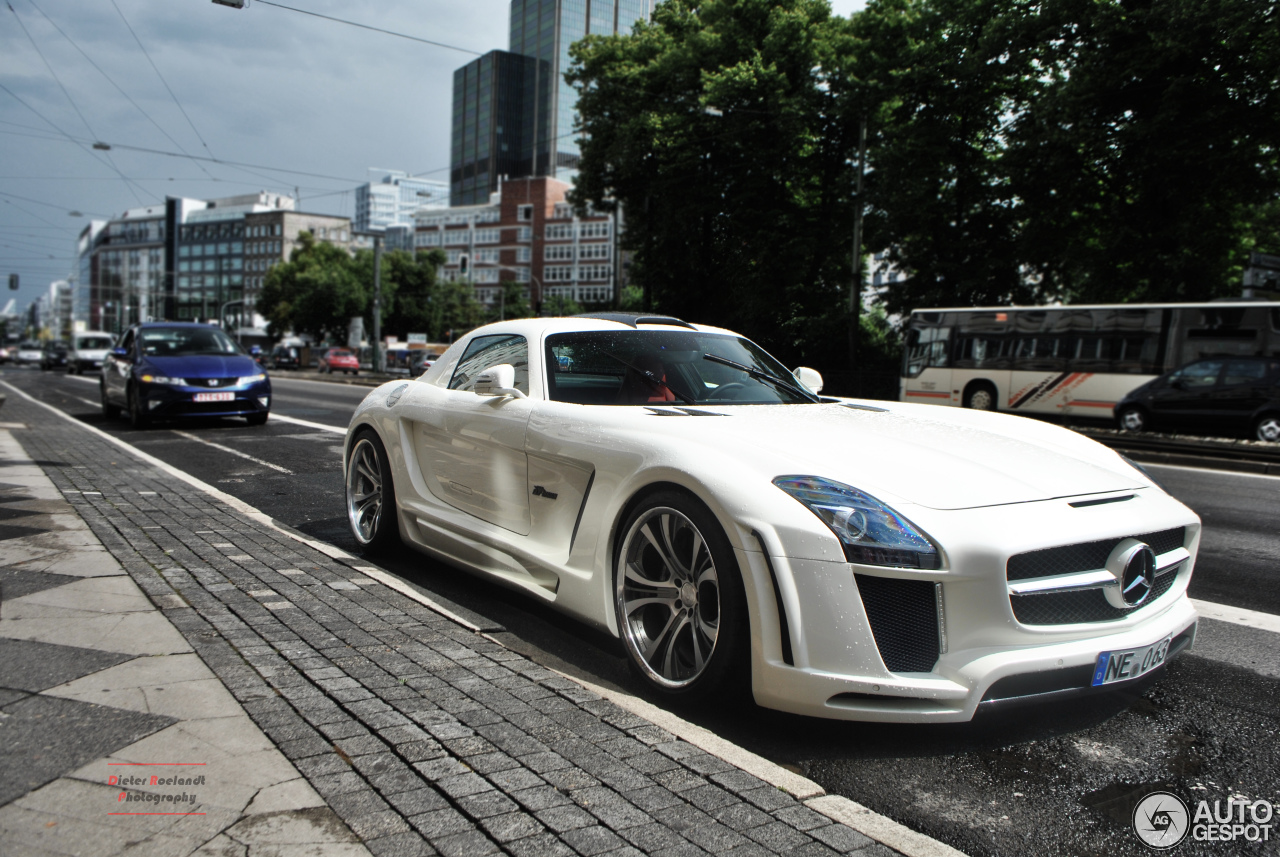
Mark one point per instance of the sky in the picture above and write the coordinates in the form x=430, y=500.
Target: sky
x=307, y=106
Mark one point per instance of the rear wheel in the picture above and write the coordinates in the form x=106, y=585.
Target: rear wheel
x=1268, y=428
x=980, y=397
x=679, y=600
x=1132, y=418
x=371, y=496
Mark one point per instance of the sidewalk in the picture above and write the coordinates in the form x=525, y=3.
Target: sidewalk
x=301, y=706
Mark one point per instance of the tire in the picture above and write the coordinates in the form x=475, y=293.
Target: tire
x=371, y=495
x=683, y=623
x=1132, y=418
x=109, y=410
x=138, y=418
x=1267, y=428
x=256, y=419
x=980, y=397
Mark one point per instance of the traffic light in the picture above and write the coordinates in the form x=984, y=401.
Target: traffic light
x=13, y=282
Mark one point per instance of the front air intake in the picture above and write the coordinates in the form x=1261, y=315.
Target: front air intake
x=904, y=620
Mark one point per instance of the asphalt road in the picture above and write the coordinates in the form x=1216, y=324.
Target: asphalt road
x=1057, y=780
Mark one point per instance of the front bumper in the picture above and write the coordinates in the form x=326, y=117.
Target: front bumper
x=164, y=402
x=833, y=666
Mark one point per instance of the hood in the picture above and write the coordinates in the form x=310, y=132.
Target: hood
x=205, y=366
x=940, y=458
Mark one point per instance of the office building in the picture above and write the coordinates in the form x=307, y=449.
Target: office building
x=542, y=31
x=529, y=234
x=270, y=238
x=393, y=201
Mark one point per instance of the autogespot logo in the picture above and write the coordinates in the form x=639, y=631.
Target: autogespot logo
x=1161, y=820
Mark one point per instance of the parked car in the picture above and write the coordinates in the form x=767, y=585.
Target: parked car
x=676, y=486
x=1218, y=395
x=27, y=354
x=88, y=351
x=175, y=370
x=285, y=357
x=53, y=355
x=420, y=360
x=339, y=360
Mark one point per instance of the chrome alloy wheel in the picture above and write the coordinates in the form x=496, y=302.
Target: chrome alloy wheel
x=364, y=491
x=1269, y=429
x=668, y=595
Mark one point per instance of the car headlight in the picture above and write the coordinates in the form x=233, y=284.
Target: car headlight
x=253, y=379
x=870, y=532
x=160, y=379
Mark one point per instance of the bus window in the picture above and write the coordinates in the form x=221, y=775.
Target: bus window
x=982, y=352
x=1044, y=353
x=926, y=346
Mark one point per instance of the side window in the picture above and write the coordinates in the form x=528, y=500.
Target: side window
x=127, y=341
x=1244, y=372
x=1198, y=376
x=484, y=352
x=926, y=346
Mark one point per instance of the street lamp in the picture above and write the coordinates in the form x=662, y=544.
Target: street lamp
x=378, y=364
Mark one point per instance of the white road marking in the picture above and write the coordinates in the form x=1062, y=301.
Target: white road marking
x=307, y=423
x=88, y=401
x=84, y=379
x=1237, y=615
x=236, y=452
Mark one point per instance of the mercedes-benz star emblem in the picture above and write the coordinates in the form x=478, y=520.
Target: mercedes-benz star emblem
x=1134, y=565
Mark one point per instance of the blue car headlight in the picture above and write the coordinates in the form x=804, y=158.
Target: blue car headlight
x=252, y=379
x=870, y=532
x=161, y=379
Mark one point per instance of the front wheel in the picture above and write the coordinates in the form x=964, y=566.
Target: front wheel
x=109, y=410
x=138, y=417
x=679, y=601
x=1267, y=428
x=1132, y=419
x=371, y=496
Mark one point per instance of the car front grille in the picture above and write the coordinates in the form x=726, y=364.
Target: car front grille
x=1086, y=556
x=211, y=382
x=1071, y=607
x=1086, y=605
x=904, y=620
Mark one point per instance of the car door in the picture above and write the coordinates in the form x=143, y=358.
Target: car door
x=471, y=448
x=1186, y=397
x=1243, y=390
x=117, y=369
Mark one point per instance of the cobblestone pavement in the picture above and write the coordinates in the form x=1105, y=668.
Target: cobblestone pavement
x=423, y=736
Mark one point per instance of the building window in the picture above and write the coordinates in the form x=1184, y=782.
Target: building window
x=524, y=213
x=597, y=229
x=559, y=231
x=427, y=239
x=593, y=272
x=557, y=252
x=593, y=251
x=525, y=234
x=488, y=236
x=456, y=237
x=558, y=273
x=524, y=254
x=486, y=275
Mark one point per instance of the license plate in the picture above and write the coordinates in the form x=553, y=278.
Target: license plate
x=1129, y=663
x=215, y=397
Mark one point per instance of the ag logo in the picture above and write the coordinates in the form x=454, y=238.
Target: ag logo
x=1161, y=820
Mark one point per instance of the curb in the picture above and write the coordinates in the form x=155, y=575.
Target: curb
x=877, y=827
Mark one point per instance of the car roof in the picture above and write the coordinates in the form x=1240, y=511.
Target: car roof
x=534, y=328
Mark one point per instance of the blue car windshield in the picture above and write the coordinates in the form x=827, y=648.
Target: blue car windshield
x=186, y=341
x=640, y=367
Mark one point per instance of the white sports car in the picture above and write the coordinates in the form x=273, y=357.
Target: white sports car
x=675, y=485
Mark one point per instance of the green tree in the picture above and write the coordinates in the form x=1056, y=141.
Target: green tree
x=513, y=302
x=558, y=305
x=316, y=292
x=1149, y=152
x=723, y=127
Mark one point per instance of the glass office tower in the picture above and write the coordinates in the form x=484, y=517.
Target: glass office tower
x=526, y=86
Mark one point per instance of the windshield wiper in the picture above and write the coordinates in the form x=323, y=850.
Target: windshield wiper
x=649, y=376
x=761, y=375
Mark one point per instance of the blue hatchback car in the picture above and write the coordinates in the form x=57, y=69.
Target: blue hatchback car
x=170, y=370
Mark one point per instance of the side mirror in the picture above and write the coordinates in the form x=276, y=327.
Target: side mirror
x=498, y=381
x=810, y=379
x=119, y=352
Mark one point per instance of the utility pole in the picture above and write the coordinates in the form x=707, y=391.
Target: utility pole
x=378, y=365
x=855, y=288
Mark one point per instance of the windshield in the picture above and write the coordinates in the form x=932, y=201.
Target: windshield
x=186, y=341
x=94, y=343
x=637, y=367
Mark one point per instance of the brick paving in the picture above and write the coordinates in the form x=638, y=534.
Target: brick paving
x=423, y=736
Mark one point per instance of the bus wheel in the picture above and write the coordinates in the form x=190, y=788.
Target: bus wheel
x=980, y=397
x=1132, y=419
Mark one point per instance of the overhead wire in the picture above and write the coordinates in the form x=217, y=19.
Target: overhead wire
x=113, y=83
x=374, y=29
x=76, y=107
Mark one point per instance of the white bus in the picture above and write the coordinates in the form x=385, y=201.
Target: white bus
x=1070, y=360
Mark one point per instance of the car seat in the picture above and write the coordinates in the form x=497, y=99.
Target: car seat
x=645, y=381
